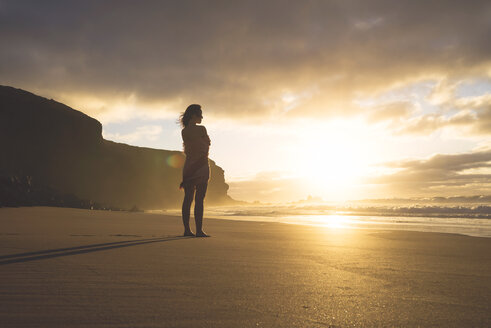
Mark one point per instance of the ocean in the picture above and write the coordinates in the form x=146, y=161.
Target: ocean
x=471, y=220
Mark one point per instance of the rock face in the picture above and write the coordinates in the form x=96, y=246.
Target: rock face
x=62, y=148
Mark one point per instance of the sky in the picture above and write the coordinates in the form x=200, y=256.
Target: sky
x=341, y=100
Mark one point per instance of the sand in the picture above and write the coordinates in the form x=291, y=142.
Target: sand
x=80, y=268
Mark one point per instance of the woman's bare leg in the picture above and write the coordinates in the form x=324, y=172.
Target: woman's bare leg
x=186, y=209
x=199, y=208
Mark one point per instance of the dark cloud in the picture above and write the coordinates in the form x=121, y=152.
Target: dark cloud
x=239, y=58
x=443, y=174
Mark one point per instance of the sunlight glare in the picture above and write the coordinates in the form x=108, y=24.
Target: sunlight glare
x=333, y=159
x=334, y=221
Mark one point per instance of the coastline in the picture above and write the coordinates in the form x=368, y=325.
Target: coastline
x=474, y=227
x=74, y=268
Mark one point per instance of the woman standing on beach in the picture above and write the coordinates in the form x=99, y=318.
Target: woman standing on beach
x=196, y=172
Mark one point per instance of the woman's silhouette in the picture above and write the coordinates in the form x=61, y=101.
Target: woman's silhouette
x=196, y=172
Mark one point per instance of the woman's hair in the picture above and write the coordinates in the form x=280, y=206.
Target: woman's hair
x=185, y=117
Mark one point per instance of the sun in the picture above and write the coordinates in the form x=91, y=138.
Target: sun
x=335, y=164
x=333, y=160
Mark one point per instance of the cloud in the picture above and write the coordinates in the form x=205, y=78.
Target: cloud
x=442, y=174
x=471, y=115
x=476, y=111
x=446, y=175
x=443, y=93
x=268, y=187
x=239, y=59
x=394, y=111
x=141, y=133
x=424, y=124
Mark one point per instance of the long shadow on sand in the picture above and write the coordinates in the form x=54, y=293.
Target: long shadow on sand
x=50, y=253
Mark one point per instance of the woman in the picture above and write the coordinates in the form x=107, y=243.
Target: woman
x=196, y=171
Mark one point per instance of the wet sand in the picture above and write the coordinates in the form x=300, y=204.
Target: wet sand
x=80, y=268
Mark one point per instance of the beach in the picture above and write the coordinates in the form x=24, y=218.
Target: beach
x=63, y=267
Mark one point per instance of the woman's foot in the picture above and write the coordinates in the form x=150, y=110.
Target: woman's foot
x=201, y=234
x=188, y=233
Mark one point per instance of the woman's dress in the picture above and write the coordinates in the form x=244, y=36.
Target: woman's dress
x=196, y=147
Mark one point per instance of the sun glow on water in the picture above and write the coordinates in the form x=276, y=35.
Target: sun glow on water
x=334, y=221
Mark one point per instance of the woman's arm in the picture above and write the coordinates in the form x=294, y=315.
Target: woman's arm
x=205, y=135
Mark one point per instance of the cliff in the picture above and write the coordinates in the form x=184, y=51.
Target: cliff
x=63, y=149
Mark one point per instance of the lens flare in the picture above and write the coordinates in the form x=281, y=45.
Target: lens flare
x=176, y=161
